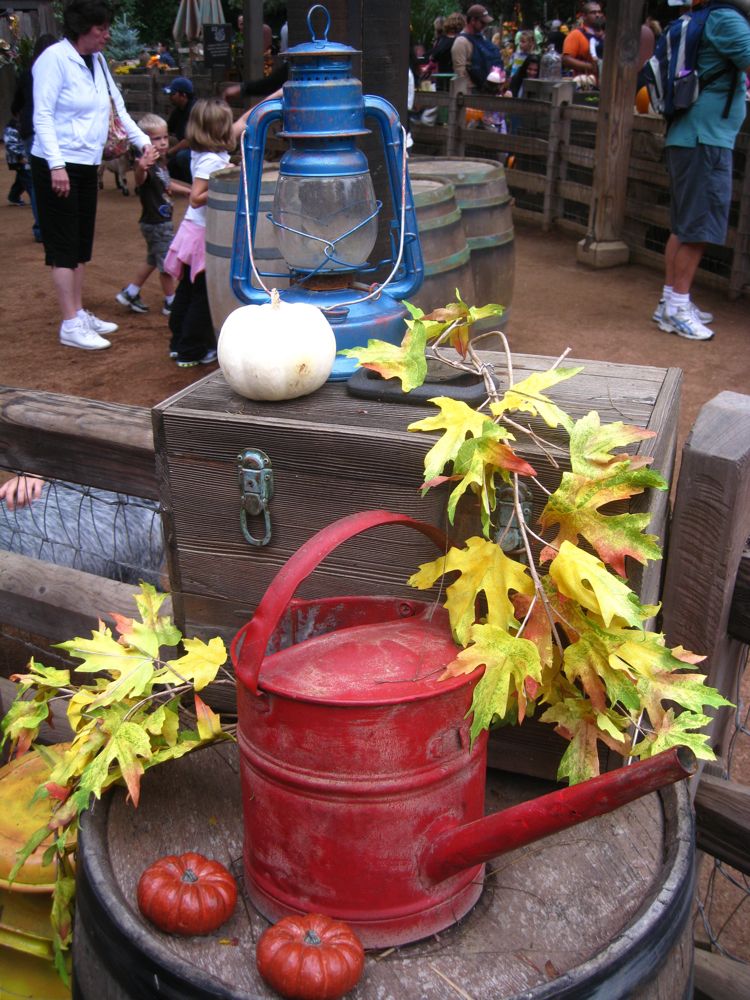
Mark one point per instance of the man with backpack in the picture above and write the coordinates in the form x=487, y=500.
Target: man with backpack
x=703, y=99
x=473, y=55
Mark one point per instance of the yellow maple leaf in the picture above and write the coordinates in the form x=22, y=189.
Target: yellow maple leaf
x=485, y=569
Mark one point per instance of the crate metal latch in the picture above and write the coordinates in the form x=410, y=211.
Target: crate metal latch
x=256, y=490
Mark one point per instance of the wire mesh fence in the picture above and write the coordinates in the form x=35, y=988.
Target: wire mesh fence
x=108, y=534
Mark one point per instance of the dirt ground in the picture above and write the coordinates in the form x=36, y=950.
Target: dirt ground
x=600, y=315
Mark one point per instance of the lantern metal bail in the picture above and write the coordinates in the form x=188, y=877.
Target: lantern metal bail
x=325, y=214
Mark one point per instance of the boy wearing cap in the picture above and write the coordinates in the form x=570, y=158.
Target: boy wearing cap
x=182, y=99
x=462, y=52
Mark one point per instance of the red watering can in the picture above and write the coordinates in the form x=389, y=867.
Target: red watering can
x=362, y=797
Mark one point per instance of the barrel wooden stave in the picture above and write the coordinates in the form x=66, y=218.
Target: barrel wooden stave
x=486, y=210
x=220, y=219
x=600, y=911
x=446, y=255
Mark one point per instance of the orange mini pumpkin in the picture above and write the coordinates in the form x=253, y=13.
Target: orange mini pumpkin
x=642, y=102
x=188, y=894
x=310, y=957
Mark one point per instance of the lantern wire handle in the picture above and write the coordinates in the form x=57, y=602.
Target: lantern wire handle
x=377, y=290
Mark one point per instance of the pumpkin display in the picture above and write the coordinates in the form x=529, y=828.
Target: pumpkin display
x=187, y=894
x=279, y=350
x=310, y=957
x=642, y=102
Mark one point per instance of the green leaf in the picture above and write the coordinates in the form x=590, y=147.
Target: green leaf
x=477, y=462
x=126, y=744
x=527, y=396
x=673, y=731
x=40, y=676
x=591, y=447
x=459, y=421
x=577, y=720
x=584, y=578
x=22, y=721
x=132, y=668
x=483, y=568
x=510, y=663
x=406, y=362
x=588, y=661
x=24, y=853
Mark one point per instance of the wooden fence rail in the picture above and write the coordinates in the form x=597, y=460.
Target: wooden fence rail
x=552, y=145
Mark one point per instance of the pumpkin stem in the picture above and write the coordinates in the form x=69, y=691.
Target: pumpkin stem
x=275, y=298
x=189, y=876
x=311, y=938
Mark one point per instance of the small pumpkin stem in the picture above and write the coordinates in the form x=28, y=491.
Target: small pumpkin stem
x=275, y=298
x=311, y=938
x=189, y=876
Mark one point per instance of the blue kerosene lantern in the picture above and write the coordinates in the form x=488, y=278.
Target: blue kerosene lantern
x=325, y=214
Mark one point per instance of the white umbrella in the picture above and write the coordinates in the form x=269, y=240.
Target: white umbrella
x=211, y=12
x=187, y=24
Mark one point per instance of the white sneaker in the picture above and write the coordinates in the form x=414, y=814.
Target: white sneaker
x=99, y=326
x=702, y=317
x=84, y=337
x=685, y=324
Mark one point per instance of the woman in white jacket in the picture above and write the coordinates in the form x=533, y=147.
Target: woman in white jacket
x=72, y=87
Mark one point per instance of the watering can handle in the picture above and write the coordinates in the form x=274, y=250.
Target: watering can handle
x=250, y=643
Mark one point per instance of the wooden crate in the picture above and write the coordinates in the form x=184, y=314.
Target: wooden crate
x=334, y=454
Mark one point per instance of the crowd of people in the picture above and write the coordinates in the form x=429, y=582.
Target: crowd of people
x=486, y=57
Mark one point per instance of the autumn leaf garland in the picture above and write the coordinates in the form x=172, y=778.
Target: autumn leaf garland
x=569, y=644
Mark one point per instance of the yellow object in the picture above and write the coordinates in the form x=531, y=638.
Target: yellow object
x=25, y=923
x=19, y=819
x=23, y=977
x=642, y=102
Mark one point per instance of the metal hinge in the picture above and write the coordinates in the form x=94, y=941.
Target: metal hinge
x=256, y=490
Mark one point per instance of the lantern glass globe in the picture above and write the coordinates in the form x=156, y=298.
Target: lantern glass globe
x=326, y=223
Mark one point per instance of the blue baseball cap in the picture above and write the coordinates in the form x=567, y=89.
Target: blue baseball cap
x=180, y=85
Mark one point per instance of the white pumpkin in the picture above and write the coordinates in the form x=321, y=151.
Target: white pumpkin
x=279, y=350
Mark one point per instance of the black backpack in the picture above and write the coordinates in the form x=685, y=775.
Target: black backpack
x=484, y=56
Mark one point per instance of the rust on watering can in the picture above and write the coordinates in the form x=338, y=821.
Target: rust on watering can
x=362, y=796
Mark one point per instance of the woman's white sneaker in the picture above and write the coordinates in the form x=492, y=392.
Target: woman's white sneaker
x=81, y=335
x=99, y=326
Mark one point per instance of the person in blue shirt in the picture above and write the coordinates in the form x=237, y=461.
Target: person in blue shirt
x=699, y=148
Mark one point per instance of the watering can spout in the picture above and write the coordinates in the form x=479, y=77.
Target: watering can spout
x=475, y=843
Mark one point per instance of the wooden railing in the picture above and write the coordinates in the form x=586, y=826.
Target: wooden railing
x=550, y=144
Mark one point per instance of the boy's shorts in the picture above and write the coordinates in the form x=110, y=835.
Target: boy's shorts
x=158, y=236
x=700, y=192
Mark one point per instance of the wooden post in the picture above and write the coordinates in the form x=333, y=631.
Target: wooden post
x=561, y=96
x=603, y=245
x=710, y=526
x=252, y=67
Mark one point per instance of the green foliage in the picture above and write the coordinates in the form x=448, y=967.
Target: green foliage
x=124, y=42
x=570, y=645
x=127, y=717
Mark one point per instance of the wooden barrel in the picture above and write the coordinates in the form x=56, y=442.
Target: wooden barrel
x=220, y=217
x=486, y=210
x=602, y=911
x=447, y=258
